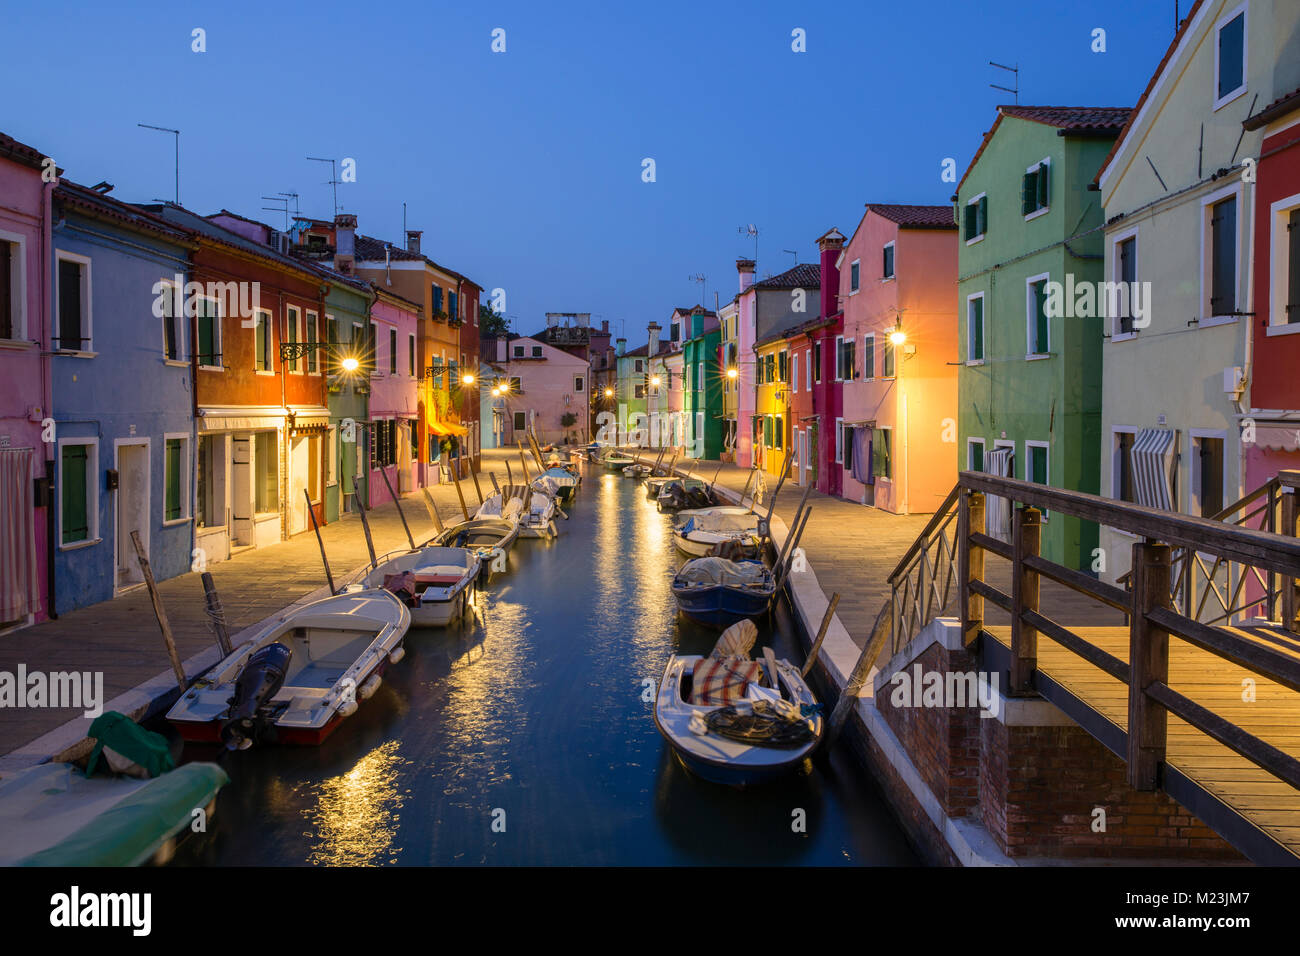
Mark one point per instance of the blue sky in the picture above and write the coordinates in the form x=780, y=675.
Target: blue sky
x=523, y=168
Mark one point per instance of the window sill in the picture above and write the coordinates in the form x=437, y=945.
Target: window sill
x=1123, y=336
x=1223, y=101
x=75, y=353
x=979, y=238
x=1037, y=356
x=888, y=278
x=262, y=372
x=1212, y=321
x=176, y=363
x=1037, y=212
x=175, y=522
x=1290, y=328
x=212, y=368
x=17, y=344
x=974, y=362
x=78, y=545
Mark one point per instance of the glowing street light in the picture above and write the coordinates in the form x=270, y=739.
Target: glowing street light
x=655, y=381
x=898, y=336
x=467, y=379
x=732, y=373
x=350, y=364
x=609, y=393
x=496, y=392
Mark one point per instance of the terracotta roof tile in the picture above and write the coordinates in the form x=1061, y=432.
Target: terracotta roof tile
x=915, y=217
x=1074, y=118
x=805, y=276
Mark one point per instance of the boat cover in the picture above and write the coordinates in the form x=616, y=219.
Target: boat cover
x=737, y=640
x=117, y=736
x=128, y=832
x=718, y=681
x=720, y=571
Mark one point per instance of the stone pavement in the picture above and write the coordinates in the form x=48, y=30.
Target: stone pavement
x=121, y=638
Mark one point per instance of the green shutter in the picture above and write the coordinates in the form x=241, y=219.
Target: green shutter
x=173, y=479
x=968, y=231
x=1040, y=184
x=207, y=334
x=982, y=218
x=977, y=330
x=73, y=475
x=1040, y=317
x=1028, y=192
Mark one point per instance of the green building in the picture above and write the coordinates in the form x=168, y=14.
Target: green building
x=703, y=378
x=630, y=389
x=1029, y=386
x=347, y=313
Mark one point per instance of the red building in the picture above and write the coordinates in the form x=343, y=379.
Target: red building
x=1274, y=384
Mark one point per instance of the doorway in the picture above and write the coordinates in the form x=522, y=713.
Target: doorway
x=132, y=506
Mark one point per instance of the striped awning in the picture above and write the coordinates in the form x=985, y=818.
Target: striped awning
x=1151, y=461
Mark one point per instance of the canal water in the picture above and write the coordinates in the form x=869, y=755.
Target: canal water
x=527, y=736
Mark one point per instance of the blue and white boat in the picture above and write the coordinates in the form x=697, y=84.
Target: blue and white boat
x=717, y=592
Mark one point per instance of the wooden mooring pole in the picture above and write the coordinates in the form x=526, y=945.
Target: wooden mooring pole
x=473, y=473
x=848, y=697
x=365, y=526
x=158, y=610
x=816, y=649
x=430, y=507
x=455, y=476
x=329, y=578
x=397, y=501
x=217, y=614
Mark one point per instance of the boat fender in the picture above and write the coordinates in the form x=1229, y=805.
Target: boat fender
x=698, y=726
x=366, y=690
x=397, y=654
x=347, y=708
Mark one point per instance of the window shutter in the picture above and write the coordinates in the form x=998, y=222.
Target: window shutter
x=1127, y=275
x=1028, y=193
x=1293, y=268
x=69, y=305
x=977, y=329
x=73, y=476
x=982, y=220
x=1040, y=317
x=173, y=465
x=1040, y=184
x=6, y=291
x=1223, y=228
x=969, y=213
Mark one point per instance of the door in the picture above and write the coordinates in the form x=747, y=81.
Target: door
x=299, y=468
x=241, y=477
x=132, y=510
x=813, y=461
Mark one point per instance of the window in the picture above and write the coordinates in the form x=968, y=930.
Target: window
x=887, y=265
x=537, y=353
x=844, y=359
x=1285, y=306
x=312, y=320
x=817, y=362
x=1230, y=57
x=173, y=325
x=392, y=351
x=357, y=346
x=372, y=349
x=639, y=391
x=855, y=272
x=1034, y=190
x=974, y=454
x=1223, y=257
x=453, y=310
x=73, y=303
x=699, y=376
x=12, y=304
x=1126, y=275
x=1036, y=324
x=383, y=449
x=78, y=491
x=262, y=342
x=808, y=369
x=175, y=474
x=332, y=453
x=207, y=496
x=839, y=441
x=519, y=421
x=1121, y=486
x=975, y=327
x=782, y=367
x=410, y=355
x=519, y=351
x=637, y=366
x=579, y=383
x=437, y=298
x=886, y=359
x=778, y=431
x=332, y=342
x=208, y=324
x=1036, y=465
x=1207, y=473
x=267, y=472
x=516, y=386
x=767, y=431
x=975, y=219
x=882, y=463
x=293, y=321
x=794, y=374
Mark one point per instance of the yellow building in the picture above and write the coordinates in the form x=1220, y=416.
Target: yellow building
x=771, y=424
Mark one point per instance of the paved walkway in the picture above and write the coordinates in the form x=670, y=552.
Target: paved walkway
x=121, y=638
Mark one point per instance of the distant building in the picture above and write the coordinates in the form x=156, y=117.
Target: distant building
x=539, y=388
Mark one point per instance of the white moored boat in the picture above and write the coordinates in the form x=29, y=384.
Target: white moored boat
x=733, y=720
x=698, y=531
x=435, y=583
x=300, y=675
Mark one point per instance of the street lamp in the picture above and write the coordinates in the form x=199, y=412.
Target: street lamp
x=898, y=336
x=350, y=364
x=732, y=373
x=609, y=393
x=467, y=379
x=655, y=381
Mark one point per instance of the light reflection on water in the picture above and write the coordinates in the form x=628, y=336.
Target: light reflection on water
x=533, y=716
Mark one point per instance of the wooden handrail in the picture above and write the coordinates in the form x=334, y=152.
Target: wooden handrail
x=940, y=514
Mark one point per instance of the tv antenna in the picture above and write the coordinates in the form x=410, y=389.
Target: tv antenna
x=793, y=253
x=703, y=281
x=1015, y=71
x=177, y=134
x=333, y=180
x=283, y=198
x=751, y=230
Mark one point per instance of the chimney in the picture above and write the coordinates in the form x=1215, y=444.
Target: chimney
x=831, y=244
x=653, y=329
x=620, y=346
x=345, y=243
x=604, y=325
x=697, y=324
x=746, y=269
x=413, y=240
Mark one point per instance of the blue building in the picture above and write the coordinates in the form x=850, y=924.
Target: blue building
x=123, y=398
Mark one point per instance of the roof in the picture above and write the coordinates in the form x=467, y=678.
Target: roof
x=370, y=249
x=101, y=206
x=10, y=148
x=639, y=350
x=1073, y=119
x=805, y=276
x=692, y=309
x=1278, y=108
x=915, y=217
x=1151, y=85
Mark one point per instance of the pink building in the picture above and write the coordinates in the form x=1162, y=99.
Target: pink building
x=541, y=388
x=395, y=396
x=25, y=399
x=897, y=359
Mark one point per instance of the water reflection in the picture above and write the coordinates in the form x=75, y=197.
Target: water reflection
x=355, y=818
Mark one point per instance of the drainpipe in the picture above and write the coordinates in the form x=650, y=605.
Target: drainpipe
x=47, y=389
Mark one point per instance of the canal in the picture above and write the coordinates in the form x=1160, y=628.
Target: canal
x=527, y=737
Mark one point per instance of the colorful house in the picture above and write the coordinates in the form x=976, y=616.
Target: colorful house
x=630, y=393
x=1030, y=386
x=28, y=462
x=262, y=419
x=1176, y=368
x=123, y=406
x=729, y=319
x=702, y=385
x=771, y=422
x=1274, y=385
x=542, y=389
x=393, y=428
x=896, y=359
x=775, y=304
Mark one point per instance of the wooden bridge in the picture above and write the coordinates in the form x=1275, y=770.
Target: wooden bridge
x=1188, y=668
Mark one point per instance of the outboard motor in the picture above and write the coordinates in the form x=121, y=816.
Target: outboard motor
x=260, y=680
x=672, y=497
x=698, y=498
